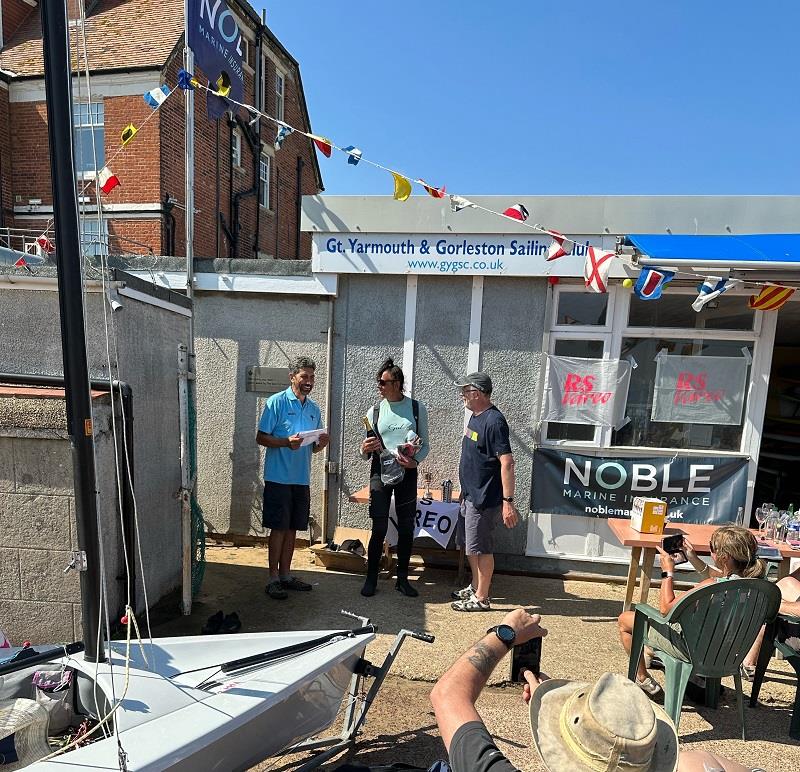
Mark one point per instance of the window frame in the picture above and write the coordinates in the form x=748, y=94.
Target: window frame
x=280, y=95
x=236, y=149
x=261, y=180
x=96, y=108
x=617, y=328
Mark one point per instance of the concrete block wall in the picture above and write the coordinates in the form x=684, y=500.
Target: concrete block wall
x=38, y=601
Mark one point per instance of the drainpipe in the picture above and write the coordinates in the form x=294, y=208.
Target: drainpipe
x=328, y=395
x=233, y=233
x=126, y=397
x=254, y=147
x=277, y=208
x=216, y=198
x=298, y=204
x=257, y=151
x=169, y=225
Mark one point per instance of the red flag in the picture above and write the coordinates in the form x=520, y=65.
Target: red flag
x=46, y=244
x=107, y=180
x=324, y=145
x=770, y=298
x=21, y=263
x=560, y=247
x=517, y=212
x=431, y=191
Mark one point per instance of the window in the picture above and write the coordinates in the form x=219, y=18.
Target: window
x=279, y=95
x=94, y=241
x=88, y=120
x=263, y=181
x=236, y=148
x=618, y=325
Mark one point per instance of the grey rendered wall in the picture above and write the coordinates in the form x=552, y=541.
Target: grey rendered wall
x=145, y=355
x=370, y=314
x=234, y=331
x=38, y=601
x=511, y=346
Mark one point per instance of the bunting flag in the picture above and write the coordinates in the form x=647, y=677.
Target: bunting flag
x=186, y=80
x=711, y=289
x=156, y=97
x=324, y=145
x=128, y=133
x=457, y=203
x=283, y=132
x=223, y=85
x=46, y=245
x=596, y=268
x=770, y=298
x=651, y=283
x=107, y=180
x=517, y=212
x=402, y=187
x=560, y=247
x=353, y=154
x=431, y=191
x=22, y=263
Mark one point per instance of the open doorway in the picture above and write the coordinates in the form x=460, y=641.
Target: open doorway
x=778, y=476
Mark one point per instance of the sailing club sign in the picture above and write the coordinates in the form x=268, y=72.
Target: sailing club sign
x=697, y=489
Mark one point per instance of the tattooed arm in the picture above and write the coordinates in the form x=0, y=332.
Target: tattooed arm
x=457, y=691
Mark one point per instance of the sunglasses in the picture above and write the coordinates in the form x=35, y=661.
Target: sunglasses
x=382, y=382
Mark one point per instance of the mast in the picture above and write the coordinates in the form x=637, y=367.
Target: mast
x=58, y=91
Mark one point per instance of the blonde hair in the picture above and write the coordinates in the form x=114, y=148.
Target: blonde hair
x=739, y=546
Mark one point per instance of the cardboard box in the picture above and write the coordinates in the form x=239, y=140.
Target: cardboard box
x=648, y=515
x=342, y=560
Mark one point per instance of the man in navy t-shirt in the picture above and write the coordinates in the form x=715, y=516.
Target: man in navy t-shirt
x=486, y=475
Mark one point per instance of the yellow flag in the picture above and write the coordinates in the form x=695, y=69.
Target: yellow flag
x=223, y=85
x=128, y=133
x=402, y=187
x=194, y=82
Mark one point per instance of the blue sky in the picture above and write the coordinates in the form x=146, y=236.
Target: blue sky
x=559, y=97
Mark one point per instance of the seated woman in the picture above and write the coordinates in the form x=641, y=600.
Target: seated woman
x=790, y=604
x=733, y=550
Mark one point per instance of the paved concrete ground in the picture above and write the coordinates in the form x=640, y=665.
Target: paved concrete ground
x=580, y=616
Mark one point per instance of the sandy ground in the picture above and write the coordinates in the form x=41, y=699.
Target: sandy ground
x=582, y=643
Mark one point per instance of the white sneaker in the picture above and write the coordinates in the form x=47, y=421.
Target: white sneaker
x=464, y=594
x=471, y=604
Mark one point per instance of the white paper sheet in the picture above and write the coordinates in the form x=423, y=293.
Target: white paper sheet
x=310, y=436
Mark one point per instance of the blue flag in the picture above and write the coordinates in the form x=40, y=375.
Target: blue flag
x=353, y=154
x=216, y=41
x=651, y=282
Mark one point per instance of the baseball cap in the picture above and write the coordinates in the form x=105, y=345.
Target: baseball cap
x=480, y=381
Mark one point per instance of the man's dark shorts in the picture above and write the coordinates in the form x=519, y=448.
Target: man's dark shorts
x=286, y=507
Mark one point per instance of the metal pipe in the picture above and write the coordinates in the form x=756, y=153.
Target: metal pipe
x=298, y=203
x=57, y=81
x=328, y=393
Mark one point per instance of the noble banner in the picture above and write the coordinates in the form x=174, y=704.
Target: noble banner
x=707, y=489
x=700, y=390
x=435, y=524
x=586, y=391
x=216, y=42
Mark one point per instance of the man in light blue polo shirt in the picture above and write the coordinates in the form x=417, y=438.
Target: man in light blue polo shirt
x=287, y=471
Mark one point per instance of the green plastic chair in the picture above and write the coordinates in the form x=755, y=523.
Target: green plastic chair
x=707, y=632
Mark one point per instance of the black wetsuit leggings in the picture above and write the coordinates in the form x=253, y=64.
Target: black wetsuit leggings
x=405, y=505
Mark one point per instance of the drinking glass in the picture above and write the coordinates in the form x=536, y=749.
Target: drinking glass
x=761, y=518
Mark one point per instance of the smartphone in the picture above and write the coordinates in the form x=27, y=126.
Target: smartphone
x=673, y=545
x=528, y=656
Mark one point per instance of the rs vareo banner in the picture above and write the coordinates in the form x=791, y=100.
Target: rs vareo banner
x=435, y=520
x=700, y=390
x=704, y=489
x=586, y=391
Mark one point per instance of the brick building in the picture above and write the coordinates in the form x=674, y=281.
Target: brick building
x=247, y=194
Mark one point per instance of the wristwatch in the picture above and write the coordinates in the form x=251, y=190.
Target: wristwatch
x=666, y=575
x=505, y=633
x=508, y=498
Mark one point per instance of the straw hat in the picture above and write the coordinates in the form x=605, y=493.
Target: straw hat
x=606, y=725
x=23, y=733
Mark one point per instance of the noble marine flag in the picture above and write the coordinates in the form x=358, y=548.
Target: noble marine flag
x=711, y=289
x=283, y=132
x=770, y=298
x=107, y=180
x=155, y=97
x=353, y=154
x=431, y=191
x=560, y=247
x=216, y=41
x=650, y=283
x=517, y=212
x=402, y=187
x=128, y=133
x=596, y=269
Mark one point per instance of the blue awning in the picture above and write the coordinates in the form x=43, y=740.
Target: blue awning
x=760, y=250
